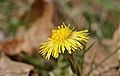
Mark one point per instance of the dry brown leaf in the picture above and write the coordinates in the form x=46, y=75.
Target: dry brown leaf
x=40, y=17
x=118, y=73
x=12, y=68
x=40, y=26
x=11, y=47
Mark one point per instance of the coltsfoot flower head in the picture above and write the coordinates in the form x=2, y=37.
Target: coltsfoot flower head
x=63, y=39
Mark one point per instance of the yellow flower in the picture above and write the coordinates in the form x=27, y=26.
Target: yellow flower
x=63, y=39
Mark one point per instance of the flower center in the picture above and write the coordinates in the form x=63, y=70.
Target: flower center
x=61, y=34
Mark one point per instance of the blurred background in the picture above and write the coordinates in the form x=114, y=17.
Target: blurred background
x=24, y=24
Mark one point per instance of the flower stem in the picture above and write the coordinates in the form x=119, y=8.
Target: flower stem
x=74, y=67
x=78, y=70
